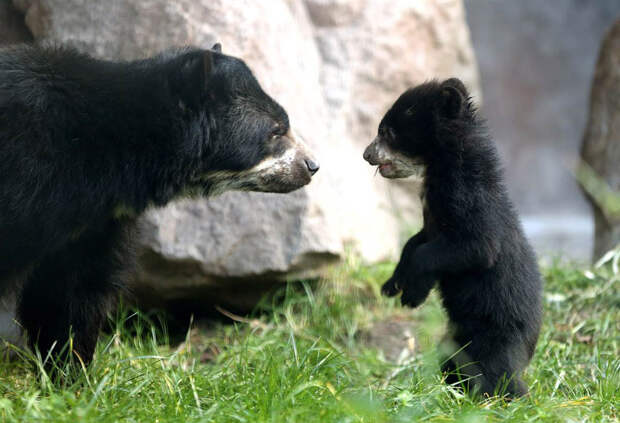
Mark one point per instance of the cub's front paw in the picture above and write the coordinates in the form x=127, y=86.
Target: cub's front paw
x=391, y=288
x=411, y=298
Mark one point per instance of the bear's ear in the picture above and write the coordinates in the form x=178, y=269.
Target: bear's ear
x=190, y=81
x=217, y=47
x=451, y=102
x=197, y=69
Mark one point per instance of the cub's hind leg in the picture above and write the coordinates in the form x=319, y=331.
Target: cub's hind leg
x=485, y=371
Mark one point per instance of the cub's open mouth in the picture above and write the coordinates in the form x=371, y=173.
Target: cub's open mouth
x=383, y=166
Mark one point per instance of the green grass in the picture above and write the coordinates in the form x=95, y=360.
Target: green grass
x=306, y=357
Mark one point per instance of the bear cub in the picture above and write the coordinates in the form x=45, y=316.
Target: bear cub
x=472, y=244
x=86, y=145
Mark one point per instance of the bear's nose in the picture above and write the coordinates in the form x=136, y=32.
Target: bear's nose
x=312, y=166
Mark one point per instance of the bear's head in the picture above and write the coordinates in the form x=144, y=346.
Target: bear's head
x=246, y=140
x=408, y=136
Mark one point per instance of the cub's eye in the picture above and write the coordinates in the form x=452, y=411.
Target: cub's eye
x=409, y=111
x=390, y=136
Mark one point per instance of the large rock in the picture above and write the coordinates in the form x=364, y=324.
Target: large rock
x=601, y=142
x=335, y=65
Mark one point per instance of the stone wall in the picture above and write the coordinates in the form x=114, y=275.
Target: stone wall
x=536, y=60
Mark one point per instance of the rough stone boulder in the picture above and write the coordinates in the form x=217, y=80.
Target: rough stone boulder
x=601, y=144
x=335, y=65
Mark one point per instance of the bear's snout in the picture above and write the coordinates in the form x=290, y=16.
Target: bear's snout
x=290, y=170
x=310, y=163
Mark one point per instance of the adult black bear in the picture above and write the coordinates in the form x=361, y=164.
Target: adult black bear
x=472, y=242
x=87, y=145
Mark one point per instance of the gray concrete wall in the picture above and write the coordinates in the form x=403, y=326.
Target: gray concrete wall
x=536, y=62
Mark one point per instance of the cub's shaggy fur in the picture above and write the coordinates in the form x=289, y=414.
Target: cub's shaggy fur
x=472, y=244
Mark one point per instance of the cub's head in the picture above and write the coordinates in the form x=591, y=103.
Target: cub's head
x=407, y=137
x=246, y=140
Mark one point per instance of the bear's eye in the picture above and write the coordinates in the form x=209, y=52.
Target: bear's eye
x=277, y=131
x=409, y=111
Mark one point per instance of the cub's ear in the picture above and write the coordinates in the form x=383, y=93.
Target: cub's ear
x=451, y=101
x=217, y=47
x=456, y=83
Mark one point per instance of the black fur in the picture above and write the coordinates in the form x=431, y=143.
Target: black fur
x=81, y=138
x=472, y=242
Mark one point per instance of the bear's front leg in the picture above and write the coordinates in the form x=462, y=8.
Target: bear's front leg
x=415, y=290
x=50, y=317
x=442, y=255
x=68, y=293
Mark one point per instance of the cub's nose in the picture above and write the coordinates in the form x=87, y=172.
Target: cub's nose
x=370, y=153
x=367, y=154
x=313, y=166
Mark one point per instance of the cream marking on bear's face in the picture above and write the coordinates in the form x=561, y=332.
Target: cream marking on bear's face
x=297, y=151
x=289, y=168
x=275, y=164
x=223, y=181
